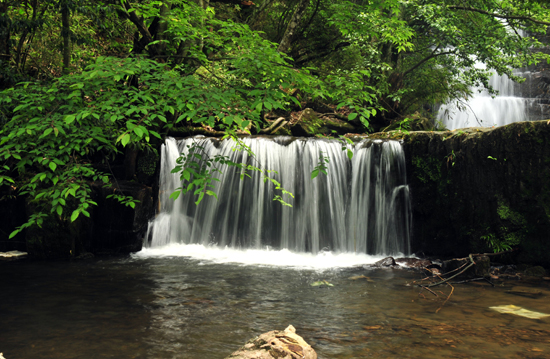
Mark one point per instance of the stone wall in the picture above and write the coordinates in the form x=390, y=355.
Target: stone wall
x=474, y=186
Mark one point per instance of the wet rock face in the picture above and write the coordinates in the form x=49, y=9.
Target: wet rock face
x=479, y=189
x=386, y=262
x=118, y=228
x=276, y=344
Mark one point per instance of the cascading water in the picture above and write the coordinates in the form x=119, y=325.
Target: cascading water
x=482, y=110
x=362, y=205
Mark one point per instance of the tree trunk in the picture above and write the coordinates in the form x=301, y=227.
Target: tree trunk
x=163, y=26
x=66, y=33
x=286, y=41
x=5, y=22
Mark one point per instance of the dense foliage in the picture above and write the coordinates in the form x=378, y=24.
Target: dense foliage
x=83, y=79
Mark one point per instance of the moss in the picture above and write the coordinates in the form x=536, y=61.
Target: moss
x=427, y=169
x=512, y=228
x=283, y=131
x=536, y=271
x=505, y=213
x=392, y=135
x=414, y=122
x=147, y=163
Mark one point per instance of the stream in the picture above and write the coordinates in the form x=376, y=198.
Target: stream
x=193, y=302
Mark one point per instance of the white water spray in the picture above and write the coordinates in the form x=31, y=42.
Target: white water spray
x=482, y=110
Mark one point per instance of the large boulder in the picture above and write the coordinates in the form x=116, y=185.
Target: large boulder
x=276, y=344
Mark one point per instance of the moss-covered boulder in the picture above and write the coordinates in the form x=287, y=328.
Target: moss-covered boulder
x=415, y=122
x=311, y=123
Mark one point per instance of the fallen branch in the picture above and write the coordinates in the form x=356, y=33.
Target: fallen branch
x=275, y=123
x=449, y=296
x=460, y=270
x=277, y=129
x=453, y=276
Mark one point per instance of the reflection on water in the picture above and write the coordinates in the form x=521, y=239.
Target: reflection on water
x=179, y=307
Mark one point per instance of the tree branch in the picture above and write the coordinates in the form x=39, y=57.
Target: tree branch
x=527, y=18
x=426, y=59
x=301, y=62
x=132, y=16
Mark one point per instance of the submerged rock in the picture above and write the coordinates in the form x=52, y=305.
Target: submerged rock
x=414, y=262
x=276, y=344
x=386, y=262
x=536, y=271
x=10, y=256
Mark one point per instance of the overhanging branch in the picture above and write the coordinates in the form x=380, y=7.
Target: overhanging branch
x=526, y=18
x=426, y=59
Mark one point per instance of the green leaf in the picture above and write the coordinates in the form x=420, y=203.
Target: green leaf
x=52, y=165
x=69, y=119
x=75, y=214
x=314, y=173
x=174, y=196
x=352, y=116
x=125, y=139
x=212, y=193
x=186, y=175
x=350, y=154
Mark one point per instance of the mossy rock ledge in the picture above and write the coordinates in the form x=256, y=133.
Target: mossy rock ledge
x=475, y=186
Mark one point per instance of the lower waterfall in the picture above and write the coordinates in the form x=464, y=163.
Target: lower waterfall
x=361, y=205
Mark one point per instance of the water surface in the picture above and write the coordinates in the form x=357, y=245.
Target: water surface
x=154, y=305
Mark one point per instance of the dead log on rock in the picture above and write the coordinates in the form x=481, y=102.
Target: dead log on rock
x=276, y=344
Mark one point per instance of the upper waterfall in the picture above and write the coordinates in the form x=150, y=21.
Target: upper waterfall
x=361, y=205
x=483, y=110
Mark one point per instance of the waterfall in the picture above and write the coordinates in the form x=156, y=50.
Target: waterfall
x=482, y=110
x=361, y=205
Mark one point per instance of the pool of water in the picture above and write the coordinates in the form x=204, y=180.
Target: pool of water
x=162, y=306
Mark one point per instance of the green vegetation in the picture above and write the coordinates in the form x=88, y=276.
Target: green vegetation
x=84, y=81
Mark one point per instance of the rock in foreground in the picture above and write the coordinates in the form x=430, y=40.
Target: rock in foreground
x=276, y=344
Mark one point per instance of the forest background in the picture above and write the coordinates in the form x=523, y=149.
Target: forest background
x=86, y=83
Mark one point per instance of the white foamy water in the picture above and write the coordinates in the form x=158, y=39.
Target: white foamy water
x=361, y=205
x=264, y=257
x=482, y=110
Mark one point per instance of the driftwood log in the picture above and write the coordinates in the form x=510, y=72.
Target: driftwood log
x=276, y=344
